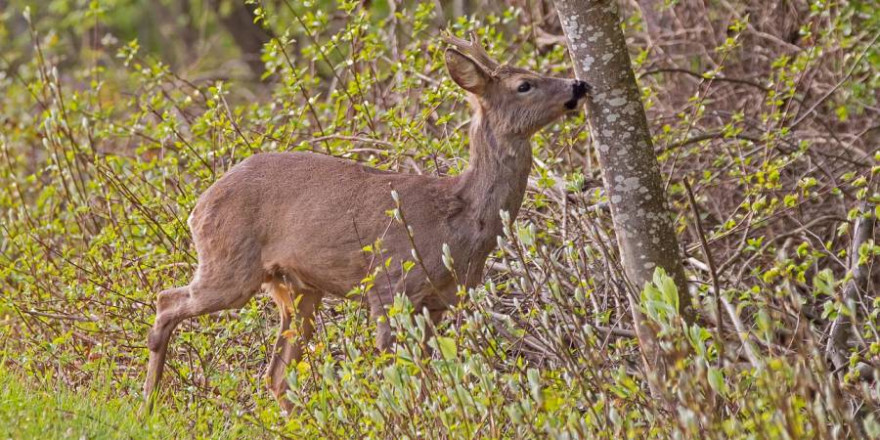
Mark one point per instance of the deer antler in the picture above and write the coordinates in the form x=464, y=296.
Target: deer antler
x=473, y=49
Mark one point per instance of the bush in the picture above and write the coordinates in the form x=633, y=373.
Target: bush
x=769, y=112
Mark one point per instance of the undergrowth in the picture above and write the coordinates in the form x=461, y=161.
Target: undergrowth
x=105, y=148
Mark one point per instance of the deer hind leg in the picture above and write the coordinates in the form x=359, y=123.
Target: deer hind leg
x=170, y=310
x=175, y=305
x=294, y=334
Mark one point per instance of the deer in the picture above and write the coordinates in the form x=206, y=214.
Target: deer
x=294, y=224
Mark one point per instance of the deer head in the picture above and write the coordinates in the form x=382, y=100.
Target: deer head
x=517, y=101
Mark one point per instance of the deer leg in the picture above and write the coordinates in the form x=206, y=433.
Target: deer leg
x=378, y=300
x=289, y=351
x=170, y=310
x=282, y=298
x=172, y=307
x=435, y=316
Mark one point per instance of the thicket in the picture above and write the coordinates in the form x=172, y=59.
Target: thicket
x=765, y=122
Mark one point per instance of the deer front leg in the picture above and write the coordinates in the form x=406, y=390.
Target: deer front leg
x=380, y=300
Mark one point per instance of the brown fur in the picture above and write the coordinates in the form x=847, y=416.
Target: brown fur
x=296, y=223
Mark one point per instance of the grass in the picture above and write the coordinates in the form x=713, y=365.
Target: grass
x=29, y=409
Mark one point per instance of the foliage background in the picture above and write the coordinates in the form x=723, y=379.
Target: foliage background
x=117, y=114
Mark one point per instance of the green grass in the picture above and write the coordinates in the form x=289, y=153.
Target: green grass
x=29, y=410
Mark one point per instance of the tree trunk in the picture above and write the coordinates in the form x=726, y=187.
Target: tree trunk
x=619, y=129
x=249, y=36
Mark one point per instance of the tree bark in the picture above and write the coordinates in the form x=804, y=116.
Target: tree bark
x=619, y=130
x=249, y=36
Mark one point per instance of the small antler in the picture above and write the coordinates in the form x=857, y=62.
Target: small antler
x=472, y=48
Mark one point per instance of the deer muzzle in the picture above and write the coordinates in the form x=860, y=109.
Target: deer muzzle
x=579, y=91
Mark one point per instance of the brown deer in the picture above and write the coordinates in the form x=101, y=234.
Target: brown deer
x=296, y=223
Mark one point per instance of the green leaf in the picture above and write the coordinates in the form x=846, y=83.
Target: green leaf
x=716, y=381
x=823, y=282
x=447, y=347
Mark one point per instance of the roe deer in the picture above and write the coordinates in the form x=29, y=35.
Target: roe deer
x=296, y=223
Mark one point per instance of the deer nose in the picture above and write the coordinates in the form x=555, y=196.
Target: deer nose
x=581, y=88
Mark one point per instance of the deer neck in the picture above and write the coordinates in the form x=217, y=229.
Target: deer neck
x=497, y=174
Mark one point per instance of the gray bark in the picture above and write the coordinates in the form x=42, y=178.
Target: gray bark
x=619, y=129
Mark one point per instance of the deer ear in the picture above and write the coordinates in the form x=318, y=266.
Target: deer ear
x=466, y=72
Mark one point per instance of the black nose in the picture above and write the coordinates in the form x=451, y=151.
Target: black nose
x=581, y=88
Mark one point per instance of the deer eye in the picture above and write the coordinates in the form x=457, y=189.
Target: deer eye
x=524, y=87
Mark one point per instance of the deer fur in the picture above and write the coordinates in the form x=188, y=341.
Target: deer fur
x=295, y=224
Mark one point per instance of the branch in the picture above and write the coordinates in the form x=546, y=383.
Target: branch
x=842, y=327
x=704, y=76
x=713, y=272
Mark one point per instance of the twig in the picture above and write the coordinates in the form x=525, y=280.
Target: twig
x=58, y=317
x=713, y=272
x=708, y=136
x=705, y=76
x=842, y=326
x=350, y=138
x=742, y=334
x=846, y=77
